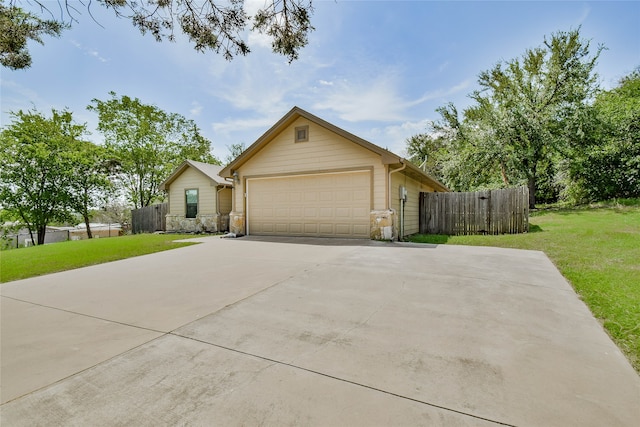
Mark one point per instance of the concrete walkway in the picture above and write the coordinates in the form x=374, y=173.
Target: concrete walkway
x=310, y=332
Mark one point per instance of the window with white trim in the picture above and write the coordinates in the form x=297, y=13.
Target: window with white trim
x=191, y=201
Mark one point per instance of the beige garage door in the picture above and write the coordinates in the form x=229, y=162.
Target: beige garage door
x=323, y=205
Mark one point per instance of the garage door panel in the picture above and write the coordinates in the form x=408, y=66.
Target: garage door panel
x=326, y=213
x=326, y=196
x=361, y=195
x=325, y=228
x=333, y=204
x=343, y=229
x=311, y=228
x=360, y=212
x=361, y=229
x=343, y=213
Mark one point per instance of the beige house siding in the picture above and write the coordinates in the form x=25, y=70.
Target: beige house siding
x=412, y=205
x=324, y=151
x=190, y=179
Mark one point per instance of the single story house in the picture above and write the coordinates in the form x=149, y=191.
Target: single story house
x=307, y=177
x=199, y=198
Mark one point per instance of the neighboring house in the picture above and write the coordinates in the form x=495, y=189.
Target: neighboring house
x=22, y=237
x=79, y=232
x=307, y=177
x=199, y=199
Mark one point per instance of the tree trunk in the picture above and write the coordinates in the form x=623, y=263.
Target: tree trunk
x=532, y=192
x=42, y=231
x=504, y=174
x=31, y=235
x=86, y=223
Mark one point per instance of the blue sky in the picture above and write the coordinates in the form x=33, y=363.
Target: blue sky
x=378, y=69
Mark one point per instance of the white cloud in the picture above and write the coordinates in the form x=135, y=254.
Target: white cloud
x=257, y=39
x=88, y=51
x=443, y=66
x=96, y=55
x=196, y=108
x=241, y=125
x=16, y=97
x=585, y=14
x=252, y=6
x=375, y=100
x=443, y=93
x=393, y=137
x=325, y=83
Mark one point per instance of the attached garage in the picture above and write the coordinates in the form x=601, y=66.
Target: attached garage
x=322, y=205
x=307, y=177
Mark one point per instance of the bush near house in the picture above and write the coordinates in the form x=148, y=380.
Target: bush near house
x=597, y=248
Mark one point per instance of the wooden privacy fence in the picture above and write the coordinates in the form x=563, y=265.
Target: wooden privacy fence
x=150, y=218
x=483, y=212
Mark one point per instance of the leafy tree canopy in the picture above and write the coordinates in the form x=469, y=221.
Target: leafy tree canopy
x=17, y=27
x=36, y=158
x=234, y=151
x=610, y=166
x=215, y=25
x=147, y=144
x=89, y=184
x=527, y=111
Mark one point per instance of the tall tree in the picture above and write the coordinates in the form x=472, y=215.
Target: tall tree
x=529, y=103
x=147, y=144
x=36, y=167
x=89, y=182
x=216, y=25
x=527, y=112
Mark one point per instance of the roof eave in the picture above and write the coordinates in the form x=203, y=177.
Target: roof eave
x=428, y=179
x=296, y=112
x=180, y=169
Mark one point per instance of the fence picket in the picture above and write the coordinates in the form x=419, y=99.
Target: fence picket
x=149, y=219
x=482, y=212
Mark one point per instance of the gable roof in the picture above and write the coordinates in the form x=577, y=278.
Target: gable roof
x=212, y=172
x=387, y=157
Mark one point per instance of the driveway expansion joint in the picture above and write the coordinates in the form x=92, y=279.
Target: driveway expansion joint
x=84, y=315
x=344, y=380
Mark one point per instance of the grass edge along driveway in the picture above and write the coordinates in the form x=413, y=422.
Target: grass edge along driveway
x=16, y=264
x=596, y=250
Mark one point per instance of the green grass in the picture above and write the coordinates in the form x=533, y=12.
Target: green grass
x=597, y=249
x=22, y=263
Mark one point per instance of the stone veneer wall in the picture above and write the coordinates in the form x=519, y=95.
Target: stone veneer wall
x=223, y=223
x=383, y=225
x=199, y=224
x=236, y=222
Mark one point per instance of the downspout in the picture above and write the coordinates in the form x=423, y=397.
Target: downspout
x=233, y=198
x=233, y=189
x=404, y=165
x=222, y=187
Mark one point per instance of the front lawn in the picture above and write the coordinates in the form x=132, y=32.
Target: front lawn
x=597, y=249
x=38, y=260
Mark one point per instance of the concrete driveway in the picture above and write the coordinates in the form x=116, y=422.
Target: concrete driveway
x=310, y=332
